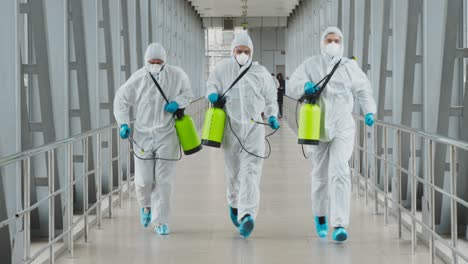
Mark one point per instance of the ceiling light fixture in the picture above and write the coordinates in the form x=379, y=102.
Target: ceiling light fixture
x=244, y=24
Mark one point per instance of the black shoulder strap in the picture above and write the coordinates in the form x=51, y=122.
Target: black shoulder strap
x=325, y=80
x=328, y=77
x=159, y=87
x=180, y=112
x=237, y=79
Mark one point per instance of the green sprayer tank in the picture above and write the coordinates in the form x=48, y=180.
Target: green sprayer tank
x=215, y=118
x=309, y=124
x=213, y=127
x=187, y=133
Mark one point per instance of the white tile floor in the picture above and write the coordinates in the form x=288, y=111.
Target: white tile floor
x=202, y=231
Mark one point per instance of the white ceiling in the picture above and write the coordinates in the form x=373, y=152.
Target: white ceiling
x=255, y=8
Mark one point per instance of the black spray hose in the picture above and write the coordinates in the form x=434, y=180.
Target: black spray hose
x=266, y=139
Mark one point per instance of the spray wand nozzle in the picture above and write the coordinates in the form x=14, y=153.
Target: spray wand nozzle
x=257, y=122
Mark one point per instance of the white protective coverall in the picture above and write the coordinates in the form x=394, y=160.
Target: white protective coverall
x=253, y=94
x=154, y=129
x=331, y=180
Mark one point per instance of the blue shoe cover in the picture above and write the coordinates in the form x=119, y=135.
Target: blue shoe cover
x=233, y=217
x=340, y=234
x=163, y=230
x=322, y=229
x=145, y=219
x=246, y=226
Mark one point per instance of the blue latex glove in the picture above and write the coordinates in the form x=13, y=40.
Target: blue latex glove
x=124, y=131
x=369, y=119
x=310, y=88
x=273, y=122
x=213, y=97
x=171, y=107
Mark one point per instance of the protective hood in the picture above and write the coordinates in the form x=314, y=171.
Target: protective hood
x=242, y=39
x=328, y=31
x=155, y=51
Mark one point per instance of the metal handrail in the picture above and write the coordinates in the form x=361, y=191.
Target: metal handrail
x=361, y=169
x=46, y=147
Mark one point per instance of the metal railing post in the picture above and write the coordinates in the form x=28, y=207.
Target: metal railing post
x=70, y=196
x=414, y=185
x=430, y=155
x=453, y=202
x=119, y=167
x=85, y=188
x=385, y=164
x=365, y=165
x=352, y=166
x=376, y=200
x=26, y=203
x=358, y=158
x=111, y=162
x=51, y=178
x=399, y=183
x=129, y=156
x=353, y=163
x=99, y=179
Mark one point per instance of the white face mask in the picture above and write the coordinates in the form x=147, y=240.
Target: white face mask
x=155, y=68
x=242, y=58
x=333, y=49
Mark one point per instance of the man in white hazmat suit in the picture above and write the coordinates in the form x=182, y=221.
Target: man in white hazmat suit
x=331, y=180
x=155, y=136
x=253, y=94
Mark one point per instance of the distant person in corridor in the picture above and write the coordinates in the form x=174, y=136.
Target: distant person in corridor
x=281, y=93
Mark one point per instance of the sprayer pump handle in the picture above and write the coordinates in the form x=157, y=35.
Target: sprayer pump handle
x=220, y=103
x=179, y=113
x=309, y=98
